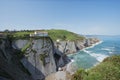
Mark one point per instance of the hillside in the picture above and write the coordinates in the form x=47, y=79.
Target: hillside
x=54, y=34
x=109, y=69
x=64, y=35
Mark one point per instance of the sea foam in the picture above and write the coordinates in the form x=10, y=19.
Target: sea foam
x=98, y=56
x=93, y=45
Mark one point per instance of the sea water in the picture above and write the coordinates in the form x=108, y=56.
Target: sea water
x=91, y=56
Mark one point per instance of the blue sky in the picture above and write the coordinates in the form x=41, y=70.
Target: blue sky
x=79, y=16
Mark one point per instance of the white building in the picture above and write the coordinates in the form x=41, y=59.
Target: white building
x=39, y=33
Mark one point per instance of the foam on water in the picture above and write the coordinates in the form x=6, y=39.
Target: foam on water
x=110, y=52
x=99, y=57
x=93, y=55
x=108, y=48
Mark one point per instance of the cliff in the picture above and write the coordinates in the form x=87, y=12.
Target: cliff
x=68, y=47
x=10, y=66
x=33, y=58
x=29, y=59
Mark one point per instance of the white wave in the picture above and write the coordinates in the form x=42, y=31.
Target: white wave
x=86, y=51
x=99, y=57
x=110, y=52
x=107, y=49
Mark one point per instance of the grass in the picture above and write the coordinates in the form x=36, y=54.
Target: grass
x=64, y=35
x=109, y=69
x=22, y=33
x=25, y=47
x=54, y=34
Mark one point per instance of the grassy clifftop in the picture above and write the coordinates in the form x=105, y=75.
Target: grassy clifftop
x=109, y=69
x=64, y=35
x=54, y=34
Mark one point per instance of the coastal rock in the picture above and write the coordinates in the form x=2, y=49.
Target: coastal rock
x=39, y=56
x=10, y=66
x=68, y=47
x=29, y=59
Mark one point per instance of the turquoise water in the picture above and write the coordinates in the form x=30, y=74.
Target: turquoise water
x=89, y=57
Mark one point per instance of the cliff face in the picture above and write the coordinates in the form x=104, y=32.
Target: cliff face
x=68, y=47
x=39, y=58
x=10, y=66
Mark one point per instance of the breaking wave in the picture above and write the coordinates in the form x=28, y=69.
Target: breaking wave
x=99, y=57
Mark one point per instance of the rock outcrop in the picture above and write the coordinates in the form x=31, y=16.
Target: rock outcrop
x=10, y=66
x=39, y=58
x=35, y=58
x=68, y=47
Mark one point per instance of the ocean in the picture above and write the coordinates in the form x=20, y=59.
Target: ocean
x=89, y=57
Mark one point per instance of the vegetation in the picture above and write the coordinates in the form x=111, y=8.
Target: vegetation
x=64, y=35
x=54, y=34
x=22, y=34
x=42, y=58
x=25, y=47
x=20, y=53
x=109, y=69
x=79, y=75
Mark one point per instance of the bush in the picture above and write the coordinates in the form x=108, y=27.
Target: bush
x=109, y=69
x=42, y=58
x=79, y=75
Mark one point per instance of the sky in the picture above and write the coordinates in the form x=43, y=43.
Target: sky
x=96, y=17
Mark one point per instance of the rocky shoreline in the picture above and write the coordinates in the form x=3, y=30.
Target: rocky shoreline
x=38, y=58
x=69, y=64
x=68, y=48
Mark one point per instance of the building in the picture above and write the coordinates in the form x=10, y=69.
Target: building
x=39, y=33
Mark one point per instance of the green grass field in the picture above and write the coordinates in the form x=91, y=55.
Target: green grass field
x=54, y=34
x=64, y=35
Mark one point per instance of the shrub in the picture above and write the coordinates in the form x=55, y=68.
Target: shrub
x=109, y=69
x=79, y=75
x=42, y=58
